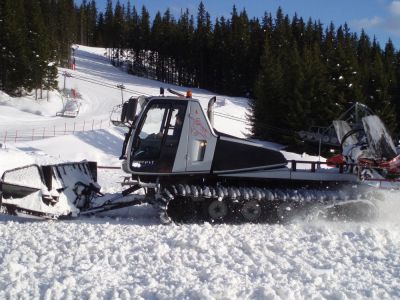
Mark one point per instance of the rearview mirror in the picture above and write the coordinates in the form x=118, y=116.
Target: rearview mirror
x=129, y=110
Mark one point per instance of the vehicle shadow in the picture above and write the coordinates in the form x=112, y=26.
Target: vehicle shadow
x=143, y=215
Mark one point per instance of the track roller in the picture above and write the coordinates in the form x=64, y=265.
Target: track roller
x=251, y=211
x=182, y=210
x=217, y=210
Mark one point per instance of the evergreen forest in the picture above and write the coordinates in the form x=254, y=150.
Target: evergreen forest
x=298, y=73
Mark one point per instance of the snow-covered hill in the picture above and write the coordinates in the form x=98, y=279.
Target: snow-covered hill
x=137, y=258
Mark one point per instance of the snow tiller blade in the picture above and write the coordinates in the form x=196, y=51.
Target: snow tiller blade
x=48, y=191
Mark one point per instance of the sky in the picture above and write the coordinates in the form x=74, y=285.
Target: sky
x=379, y=18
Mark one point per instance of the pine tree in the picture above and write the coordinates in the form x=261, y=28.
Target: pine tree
x=240, y=55
x=391, y=65
x=184, y=32
x=378, y=89
x=118, y=36
x=100, y=31
x=13, y=61
x=83, y=23
x=396, y=91
x=37, y=43
x=145, y=28
x=108, y=25
x=265, y=108
x=253, y=58
x=220, y=42
x=293, y=108
x=92, y=23
x=201, y=45
x=156, y=40
x=320, y=106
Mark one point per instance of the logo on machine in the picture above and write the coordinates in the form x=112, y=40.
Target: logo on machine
x=198, y=129
x=144, y=163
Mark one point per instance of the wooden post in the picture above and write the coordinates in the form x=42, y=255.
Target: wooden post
x=83, y=125
x=92, y=124
x=16, y=134
x=33, y=133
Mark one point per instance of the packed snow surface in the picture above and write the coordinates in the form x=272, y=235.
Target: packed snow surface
x=132, y=256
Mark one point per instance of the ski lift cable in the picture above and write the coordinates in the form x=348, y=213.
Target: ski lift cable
x=106, y=84
x=231, y=117
x=109, y=86
x=91, y=80
x=118, y=87
x=115, y=86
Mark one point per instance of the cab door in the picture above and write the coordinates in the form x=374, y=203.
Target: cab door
x=156, y=141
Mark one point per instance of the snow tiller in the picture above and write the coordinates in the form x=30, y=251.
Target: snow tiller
x=190, y=172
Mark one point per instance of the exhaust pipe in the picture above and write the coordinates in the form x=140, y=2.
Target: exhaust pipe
x=210, y=110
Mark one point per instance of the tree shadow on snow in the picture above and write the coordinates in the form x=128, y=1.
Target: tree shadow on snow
x=100, y=66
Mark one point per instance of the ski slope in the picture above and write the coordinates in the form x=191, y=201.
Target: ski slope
x=132, y=256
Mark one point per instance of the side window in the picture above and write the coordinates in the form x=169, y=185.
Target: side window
x=176, y=121
x=148, y=145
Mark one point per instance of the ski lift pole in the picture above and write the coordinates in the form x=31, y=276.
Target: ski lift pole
x=66, y=74
x=122, y=87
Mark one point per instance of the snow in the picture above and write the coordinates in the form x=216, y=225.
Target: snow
x=134, y=257
x=139, y=259
x=11, y=159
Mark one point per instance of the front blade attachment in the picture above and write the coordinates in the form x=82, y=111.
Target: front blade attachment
x=49, y=191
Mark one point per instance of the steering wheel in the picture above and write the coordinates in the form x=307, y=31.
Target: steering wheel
x=349, y=134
